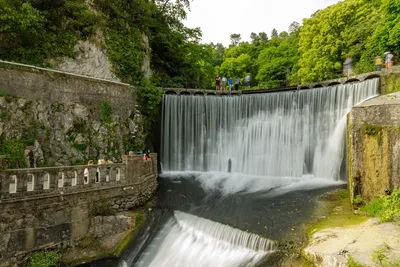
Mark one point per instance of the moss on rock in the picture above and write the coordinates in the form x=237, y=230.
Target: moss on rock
x=392, y=83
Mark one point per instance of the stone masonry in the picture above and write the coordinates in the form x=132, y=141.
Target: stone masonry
x=54, y=207
x=373, y=136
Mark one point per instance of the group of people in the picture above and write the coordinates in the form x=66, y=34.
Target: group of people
x=222, y=83
x=389, y=59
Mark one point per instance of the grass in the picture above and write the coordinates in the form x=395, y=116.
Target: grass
x=387, y=208
x=341, y=213
x=380, y=259
x=352, y=263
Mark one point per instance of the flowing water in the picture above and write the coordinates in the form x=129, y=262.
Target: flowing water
x=287, y=134
x=187, y=239
x=284, y=147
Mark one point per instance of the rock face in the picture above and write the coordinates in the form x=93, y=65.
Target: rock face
x=332, y=247
x=54, y=134
x=90, y=60
x=374, y=146
x=59, y=119
x=146, y=67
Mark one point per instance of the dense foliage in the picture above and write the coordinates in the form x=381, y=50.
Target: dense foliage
x=37, y=31
x=387, y=207
x=45, y=259
x=34, y=31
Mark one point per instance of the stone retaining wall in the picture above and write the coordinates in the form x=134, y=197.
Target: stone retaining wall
x=61, y=215
x=373, y=136
x=38, y=84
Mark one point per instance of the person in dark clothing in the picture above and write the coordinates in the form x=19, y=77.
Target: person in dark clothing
x=237, y=83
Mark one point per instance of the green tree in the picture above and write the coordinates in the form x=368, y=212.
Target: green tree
x=237, y=67
x=235, y=39
x=294, y=28
x=263, y=37
x=176, y=9
x=332, y=34
x=276, y=63
x=34, y=31
x=274, y=33
x=386, y=36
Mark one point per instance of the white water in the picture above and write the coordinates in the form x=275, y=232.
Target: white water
x=277, y=142
x=187, y=240
x=287, y=134
x=233, y=183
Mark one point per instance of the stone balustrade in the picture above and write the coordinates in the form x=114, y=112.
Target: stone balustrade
x=58, y=180
x=54, y=207
x=39, y=182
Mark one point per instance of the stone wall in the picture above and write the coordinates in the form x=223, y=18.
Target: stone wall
x=374, y=146
x=37, y=84
x=57, y=117
x=60, y=215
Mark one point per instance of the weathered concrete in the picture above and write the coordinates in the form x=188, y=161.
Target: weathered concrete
x=384, y=74
x=61, y=215
x=374, y=146
x=103, y=226
x=332, y=247
x=183, y=91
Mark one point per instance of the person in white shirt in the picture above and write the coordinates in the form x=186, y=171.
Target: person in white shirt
x=247, y=80
x=223, y=82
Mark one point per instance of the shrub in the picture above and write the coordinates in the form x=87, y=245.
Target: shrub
x=106, y=112
x=387, y=208
x=352, y=263
x=149, y=98
x=45, y=259
x=102, y=209
x=14, y=151
x=358, y=200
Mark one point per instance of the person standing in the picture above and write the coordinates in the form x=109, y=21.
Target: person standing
x=223, y=83
x=389, y=60
x=237, y=83
x=348, y=67
x=217, y=82
x=230, y=82
x=247, y=80
x=378, y=63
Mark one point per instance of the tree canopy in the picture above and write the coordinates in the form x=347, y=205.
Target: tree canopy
x=37, y=31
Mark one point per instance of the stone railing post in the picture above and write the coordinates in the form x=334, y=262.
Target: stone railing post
x=130, y=167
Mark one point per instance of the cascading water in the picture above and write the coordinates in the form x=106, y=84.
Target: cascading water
x=187, y=240
x=287, y=134
x=278, y=143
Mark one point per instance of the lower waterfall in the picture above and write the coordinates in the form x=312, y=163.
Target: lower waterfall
x=187, y=240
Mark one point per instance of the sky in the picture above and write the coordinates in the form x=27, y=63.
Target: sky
x=218, y=19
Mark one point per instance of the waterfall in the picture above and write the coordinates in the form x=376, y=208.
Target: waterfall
x=187, y=240
x=285, y=134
